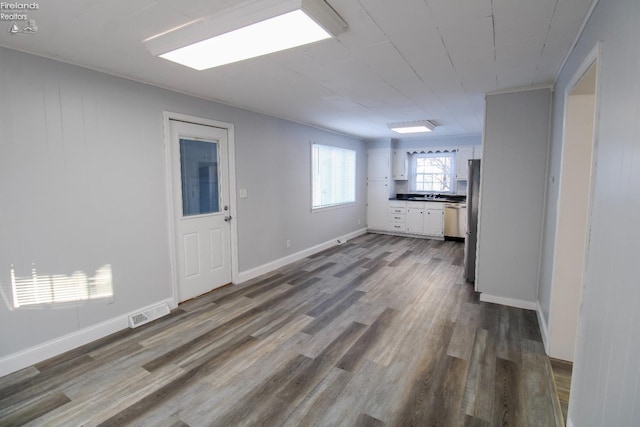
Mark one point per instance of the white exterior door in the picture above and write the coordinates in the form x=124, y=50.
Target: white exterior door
x=200, y=183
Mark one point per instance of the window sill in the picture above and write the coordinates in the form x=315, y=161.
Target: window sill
x=332, y=207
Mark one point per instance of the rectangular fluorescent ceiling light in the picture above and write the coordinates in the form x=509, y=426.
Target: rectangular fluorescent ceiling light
x=412, y=127
x=273, y=27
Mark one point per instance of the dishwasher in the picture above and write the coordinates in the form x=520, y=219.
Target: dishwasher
x=455, y=220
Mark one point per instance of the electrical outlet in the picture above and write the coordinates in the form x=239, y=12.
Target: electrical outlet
x=288, y=243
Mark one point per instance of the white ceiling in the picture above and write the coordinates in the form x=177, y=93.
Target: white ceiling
x=399, y=60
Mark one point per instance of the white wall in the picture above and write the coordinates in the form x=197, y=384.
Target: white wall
x=605, y=389
x=82, y=186
x=512, y=194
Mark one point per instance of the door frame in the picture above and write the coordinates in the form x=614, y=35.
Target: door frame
x=167, y=117
x=594, y=57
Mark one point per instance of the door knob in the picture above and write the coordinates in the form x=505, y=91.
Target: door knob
x=227, y=218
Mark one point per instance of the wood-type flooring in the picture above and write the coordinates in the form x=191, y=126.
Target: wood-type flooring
x=562, y=371
x=380, y=331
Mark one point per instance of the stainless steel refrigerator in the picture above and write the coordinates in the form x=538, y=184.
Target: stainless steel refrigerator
x=473, y=198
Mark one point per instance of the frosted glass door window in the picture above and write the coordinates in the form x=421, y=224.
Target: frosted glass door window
x=199, y=175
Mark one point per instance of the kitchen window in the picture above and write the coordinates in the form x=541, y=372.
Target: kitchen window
x=432, y=172
x=333, y=176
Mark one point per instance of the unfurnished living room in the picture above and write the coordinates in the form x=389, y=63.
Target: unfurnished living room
x=319, y=212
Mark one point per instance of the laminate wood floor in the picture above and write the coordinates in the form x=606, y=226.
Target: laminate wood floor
x=562, y=371
x=381, y=331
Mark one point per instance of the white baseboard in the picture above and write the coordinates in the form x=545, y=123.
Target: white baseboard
x=274, y=265
x=511, y=302
x=395, y=233
x=544, y=330
x=22, y=359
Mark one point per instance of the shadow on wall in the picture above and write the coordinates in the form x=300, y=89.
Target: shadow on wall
x=37, y=290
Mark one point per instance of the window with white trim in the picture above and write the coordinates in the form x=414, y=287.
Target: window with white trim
x=432, y=172
x=333, y=173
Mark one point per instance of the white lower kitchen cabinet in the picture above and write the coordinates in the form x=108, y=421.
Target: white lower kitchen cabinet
x=397, y=227
x=415, y=220
x=434, y=222
x=397, y=216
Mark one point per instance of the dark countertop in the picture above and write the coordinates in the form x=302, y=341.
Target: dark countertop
x=447, y=198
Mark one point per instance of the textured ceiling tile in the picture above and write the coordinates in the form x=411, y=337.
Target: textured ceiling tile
x=571, y=10
x=536, y=10
x=517, y=31
x=516, y=77
x=549, y=63
x=469, y=40
x=450, y=12
x=478, y=76
x=384, y=60
x=196, y=9
x=327, y=51
x=362, y=31
x=524, y=53
x=409, y=25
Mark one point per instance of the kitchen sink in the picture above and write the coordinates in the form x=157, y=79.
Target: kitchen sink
x=429, y=199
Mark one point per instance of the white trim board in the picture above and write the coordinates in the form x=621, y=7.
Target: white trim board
x=586, y=18
x=511, y=302
x=30, y=356
x=274, y=265
x=544, y=330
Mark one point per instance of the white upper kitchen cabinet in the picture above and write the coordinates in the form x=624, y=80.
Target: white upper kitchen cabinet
x=378, y=166
x=463, y=155
x=400, y=165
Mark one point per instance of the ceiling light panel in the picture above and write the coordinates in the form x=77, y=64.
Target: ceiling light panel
x=273, y=35
x=412, y=127
x=247, y=31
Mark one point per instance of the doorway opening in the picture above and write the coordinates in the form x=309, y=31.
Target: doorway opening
x=573, y=218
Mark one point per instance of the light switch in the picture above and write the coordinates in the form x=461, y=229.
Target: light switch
x=243, y=193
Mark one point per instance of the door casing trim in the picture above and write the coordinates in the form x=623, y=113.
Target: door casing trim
x=229, y=127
